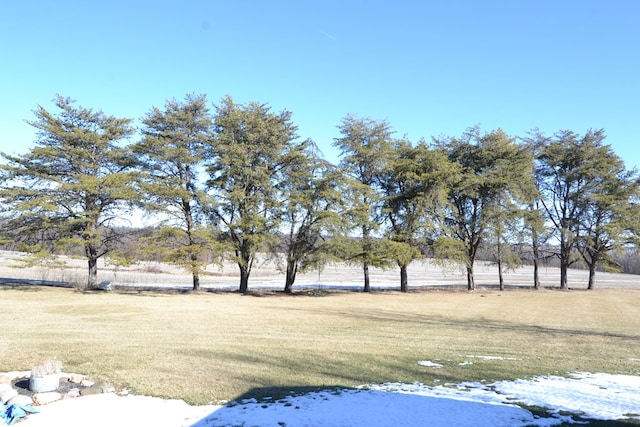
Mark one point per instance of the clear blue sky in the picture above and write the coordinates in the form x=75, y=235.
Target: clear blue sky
x=427, y=67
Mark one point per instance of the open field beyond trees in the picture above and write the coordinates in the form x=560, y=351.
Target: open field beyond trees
x=212, y=346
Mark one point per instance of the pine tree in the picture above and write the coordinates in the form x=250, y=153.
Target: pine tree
x=170, y=155
x=68, y=190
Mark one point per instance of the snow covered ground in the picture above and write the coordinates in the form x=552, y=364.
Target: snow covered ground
x=591, y=396
x=264, y=275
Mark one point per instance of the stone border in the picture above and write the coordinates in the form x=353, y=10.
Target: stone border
x=79, y=385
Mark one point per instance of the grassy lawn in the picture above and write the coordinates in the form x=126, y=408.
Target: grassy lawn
x=204, y=347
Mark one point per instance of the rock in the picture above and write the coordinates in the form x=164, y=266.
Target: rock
x=16, y=375
x=71, y=394
x=76, y=378
x=7, y=393
x=21, y=399
x=108, y=389
x=5, y=379
x=86, y=383
x=90, y=390
x=46, y=398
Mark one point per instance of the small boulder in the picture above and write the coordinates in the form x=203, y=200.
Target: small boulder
x=86, y=383
x=21, y=399
x=7, y=393
x=76, y=378
x=46, y=398
x=5, y=379
x=90, y=390
x=72, y=393
x=17, y=375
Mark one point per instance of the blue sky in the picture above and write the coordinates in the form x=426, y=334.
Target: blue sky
x=429, y=68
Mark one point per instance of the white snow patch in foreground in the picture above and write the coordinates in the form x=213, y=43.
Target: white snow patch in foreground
x=597, y=396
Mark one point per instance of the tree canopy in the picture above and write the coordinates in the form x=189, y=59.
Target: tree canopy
x=415, y=184
x=588, y=197
x=172, y=150
x=494, y=170
x=252, y=150
x=68, y=190
x=365, y=145
x=236, y=181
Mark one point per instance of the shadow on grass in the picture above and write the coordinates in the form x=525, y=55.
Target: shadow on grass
x=30, y=285
x=480, y=324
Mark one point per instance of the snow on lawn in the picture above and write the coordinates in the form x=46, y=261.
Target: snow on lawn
x=591, y=396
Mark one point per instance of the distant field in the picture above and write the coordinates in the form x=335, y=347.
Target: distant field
x=212, y=346
x=265, y=275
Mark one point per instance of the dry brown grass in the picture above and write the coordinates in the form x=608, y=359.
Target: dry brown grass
x=205, y=347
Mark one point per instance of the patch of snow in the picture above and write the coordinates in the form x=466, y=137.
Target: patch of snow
x=597, y=396
x=372, y=407
x=478, y=404
x=492, y=357
x=429, y=364
x=109, y=409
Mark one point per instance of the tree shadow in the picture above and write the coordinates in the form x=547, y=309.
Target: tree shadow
x=30, y=284
x=482, y=324
x=405, y=405
x=331, y=406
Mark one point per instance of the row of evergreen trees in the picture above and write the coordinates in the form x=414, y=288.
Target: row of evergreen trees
x=236, y=180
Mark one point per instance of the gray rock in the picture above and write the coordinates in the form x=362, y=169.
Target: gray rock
x=7, y=393
x=76, y=378
x=86, y=383
x=71, y=394
x=90, y=390
x=17, y=375
x=105, y=285
x=21, y=399
x=46, y=398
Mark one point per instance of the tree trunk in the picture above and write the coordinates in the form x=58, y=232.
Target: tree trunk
x=292, y=270
x=563, y=274
x=245, y=262
x=92, y=259
x=592, y=276
x=536, y=257
x=472, y=250
x=404, y=281
x=565, y=255
x=365, y=268
x=195, y=272
x=500, y=278
x=244, y=280
x=92, y=282
x=196, y=281
x=186, y=207
x=366, y=249
x=471, y=285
